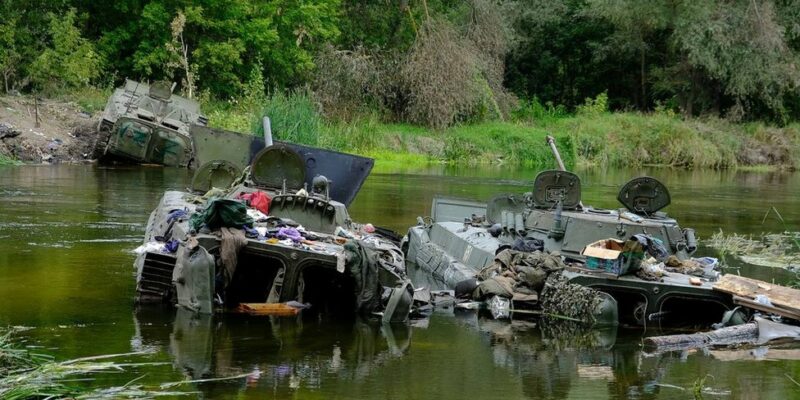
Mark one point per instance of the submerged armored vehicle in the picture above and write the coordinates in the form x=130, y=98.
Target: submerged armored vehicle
x=263, y=232
x=461, y=238
x=148, y=124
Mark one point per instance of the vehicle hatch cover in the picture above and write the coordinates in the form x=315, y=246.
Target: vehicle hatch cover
x=553, y=185
x=274, y=164
x=347, y=172
x=644, y=195
x=217, y=173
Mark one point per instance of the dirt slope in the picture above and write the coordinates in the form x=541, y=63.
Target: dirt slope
x=64, y=134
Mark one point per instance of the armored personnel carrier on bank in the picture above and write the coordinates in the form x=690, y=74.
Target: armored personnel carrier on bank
x=461, y=238
x=146, y=123
x=262, y=231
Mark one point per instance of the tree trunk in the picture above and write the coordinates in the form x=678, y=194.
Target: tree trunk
x=644, y=88
x=717, y=99
x=746, y=333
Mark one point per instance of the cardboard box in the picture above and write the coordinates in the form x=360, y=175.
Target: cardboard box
x=612, y=256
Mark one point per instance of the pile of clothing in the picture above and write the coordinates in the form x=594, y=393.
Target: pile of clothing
x=516, y=275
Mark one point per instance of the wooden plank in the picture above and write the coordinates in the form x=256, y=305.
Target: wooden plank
x=743, y=301
x=277, y=309
x=780, y=296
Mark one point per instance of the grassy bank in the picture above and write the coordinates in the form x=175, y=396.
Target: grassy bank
x=591, y=136
x=620, y=139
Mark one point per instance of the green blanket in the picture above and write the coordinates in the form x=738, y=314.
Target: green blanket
x=220, y=213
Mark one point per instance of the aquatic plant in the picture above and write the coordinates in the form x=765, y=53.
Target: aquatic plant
x=780, y=250
x=25, y=374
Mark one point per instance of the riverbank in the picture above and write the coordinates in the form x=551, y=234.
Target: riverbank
x=624, y=139
x=590, y=137
x=608, y=140
x=45, y=131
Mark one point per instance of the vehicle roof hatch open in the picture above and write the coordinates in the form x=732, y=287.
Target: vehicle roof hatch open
x=644, y=195
x=277, y=164
x=554, y=185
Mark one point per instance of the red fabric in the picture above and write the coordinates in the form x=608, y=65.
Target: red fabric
x=260, y=201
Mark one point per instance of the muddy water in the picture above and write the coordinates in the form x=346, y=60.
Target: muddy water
x=66, y=273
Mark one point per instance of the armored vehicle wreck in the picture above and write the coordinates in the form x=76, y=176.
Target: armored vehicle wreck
x=636, y=254
x=148, y=124
x=273, y=239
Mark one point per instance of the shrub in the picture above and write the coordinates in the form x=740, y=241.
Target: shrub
x=69, y=62
x=534, y=111
x=347, y=83
x=440, y=76
x=596, y=106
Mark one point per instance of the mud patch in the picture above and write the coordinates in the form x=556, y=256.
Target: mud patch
x=63, y=133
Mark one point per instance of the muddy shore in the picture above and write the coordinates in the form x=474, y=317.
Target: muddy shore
x=62, y=133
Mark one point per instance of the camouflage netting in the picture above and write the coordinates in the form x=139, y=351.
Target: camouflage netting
x=562, y=298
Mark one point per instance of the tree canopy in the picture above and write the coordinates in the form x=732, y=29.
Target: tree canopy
x=730, y=58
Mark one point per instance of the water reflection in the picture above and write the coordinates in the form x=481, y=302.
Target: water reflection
x=282, y=354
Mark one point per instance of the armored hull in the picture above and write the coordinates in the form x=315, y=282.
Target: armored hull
x=462, y=237
x=145, y=123
x=267, y=242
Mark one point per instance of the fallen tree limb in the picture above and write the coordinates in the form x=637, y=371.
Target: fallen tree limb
x=746, y=333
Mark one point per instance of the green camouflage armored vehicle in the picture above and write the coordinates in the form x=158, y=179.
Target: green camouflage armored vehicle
x=461, y=240
x=263, y=232
x=147, y=124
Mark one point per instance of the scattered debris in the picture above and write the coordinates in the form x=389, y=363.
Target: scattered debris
x=759, y=332
x=778, y=250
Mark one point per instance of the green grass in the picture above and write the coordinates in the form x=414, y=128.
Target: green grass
x=90, y=99
x=28, y=375
x=598, y=138
x=6, y=160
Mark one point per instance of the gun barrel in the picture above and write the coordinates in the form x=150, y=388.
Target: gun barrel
x=552, y=143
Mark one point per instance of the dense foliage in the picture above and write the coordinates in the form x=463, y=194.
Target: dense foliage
x=434, y=62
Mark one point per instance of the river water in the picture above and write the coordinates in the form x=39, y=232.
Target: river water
x=66, y=274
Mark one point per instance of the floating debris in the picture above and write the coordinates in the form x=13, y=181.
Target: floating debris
x=26, y=374
x=777, y=250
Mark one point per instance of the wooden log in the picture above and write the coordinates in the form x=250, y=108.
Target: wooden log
x=746, y=333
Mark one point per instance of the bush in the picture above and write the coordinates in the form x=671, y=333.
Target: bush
x=347, y=83
x=355, y=136
x=440, y=77
x=533, y=111
x=596, y=106
x=69, y=62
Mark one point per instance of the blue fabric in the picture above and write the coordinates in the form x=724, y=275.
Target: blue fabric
x=653, y=246
x=176, y=214
x=172, y=246
x=250, y=232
